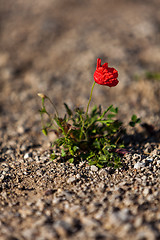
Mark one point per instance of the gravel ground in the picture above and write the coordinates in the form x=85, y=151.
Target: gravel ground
x=52, y=47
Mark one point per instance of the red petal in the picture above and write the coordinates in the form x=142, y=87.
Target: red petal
x=98, y=62
x=105, y=65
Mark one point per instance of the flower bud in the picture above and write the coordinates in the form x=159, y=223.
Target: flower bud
x=41, y=95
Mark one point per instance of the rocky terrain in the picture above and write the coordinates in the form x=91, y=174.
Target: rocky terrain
x=51, y=47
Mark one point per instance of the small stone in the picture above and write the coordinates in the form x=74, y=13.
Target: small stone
x=20, y=129
x=146, y=191
x=28, y=233
x=102, y=172
x=94, y=168
x=138, y=222
x=158, y=162
x=71, y=179
x=6, y=170
x=136, y=156
x=27, y=155
x=139, y=165
x=127, y=228
x=78, y=176
x=1, y=177
x=55, y=200
x=40, y=204
x=81, y=164
x=23, y=148
x=38, y=173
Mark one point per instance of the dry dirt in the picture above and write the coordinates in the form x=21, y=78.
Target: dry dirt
x=51, y=46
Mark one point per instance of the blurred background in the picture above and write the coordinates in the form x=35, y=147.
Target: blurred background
x=52, y=47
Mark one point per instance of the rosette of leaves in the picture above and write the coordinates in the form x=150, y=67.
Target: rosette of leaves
x=81, y=136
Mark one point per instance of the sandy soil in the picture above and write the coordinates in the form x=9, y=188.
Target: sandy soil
x=51, y=46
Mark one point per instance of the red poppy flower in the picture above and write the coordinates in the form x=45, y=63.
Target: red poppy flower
x=105, y=75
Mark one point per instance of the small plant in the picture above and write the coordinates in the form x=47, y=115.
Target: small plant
x=93, y=136
x=153, y=75
x=134, y=120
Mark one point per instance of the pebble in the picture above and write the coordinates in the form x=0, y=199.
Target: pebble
x=20, y=129
x=158, y=163
x=78, y=176
x=139, y=165
x=94, y=168
x=146, y=191
x=138, y=222
x=27, y=155
x=102, y=172
x=71, y=179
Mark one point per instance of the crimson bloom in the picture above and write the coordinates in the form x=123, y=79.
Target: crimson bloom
x=105, y=75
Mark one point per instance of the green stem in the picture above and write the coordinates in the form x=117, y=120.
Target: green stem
x=50, y=117
x=82, y=129
x=90, y=98
x=53, y=106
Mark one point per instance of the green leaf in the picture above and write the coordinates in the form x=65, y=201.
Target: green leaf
x=94, y=110
x=114, y=110
x=102, y=157
x=60, y=141
x=63, y=153
x=111, y=115
x=103, y=114
x=75, y=148
x=44, y=131
x=138, y=120
x=71, y=150
x=97, y=144
x=60, y=123
x=71, y=160
x=132, y=124
x=99, y=165
x=134, y=118
x=69, y=112
x=107, y=122
x=53, y=156
x=91, y=155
